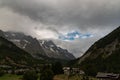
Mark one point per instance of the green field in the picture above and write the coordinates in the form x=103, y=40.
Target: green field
x=57, y=77
x=10, y=77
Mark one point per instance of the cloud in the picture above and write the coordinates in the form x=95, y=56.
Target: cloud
x=78, y=13
x=82, y=15
x=55, y=19
x=70, y=36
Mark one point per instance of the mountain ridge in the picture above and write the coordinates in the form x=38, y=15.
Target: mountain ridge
x=12, y=55
x=36, y=47
x=107, y=40
x=103, y=55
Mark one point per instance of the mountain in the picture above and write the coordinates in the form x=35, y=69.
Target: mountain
x=1, y=33
x=10, y=54
x=52, y=50
x=27, y=43
x=37, y=48
x=103, y=55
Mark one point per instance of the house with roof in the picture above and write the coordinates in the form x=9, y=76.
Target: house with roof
x=77, y=71
x=107, y=76
x=69, y=71
x=5, y=67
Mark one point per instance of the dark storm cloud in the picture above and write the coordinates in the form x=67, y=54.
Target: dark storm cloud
x=80, y=14
x=42, y=17
x=25, y=7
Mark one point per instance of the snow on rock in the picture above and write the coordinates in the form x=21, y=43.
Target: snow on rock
x=15, y=40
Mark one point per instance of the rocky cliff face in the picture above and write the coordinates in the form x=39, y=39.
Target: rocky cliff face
x=27, y=43
x=52, y=50
x=37, y=47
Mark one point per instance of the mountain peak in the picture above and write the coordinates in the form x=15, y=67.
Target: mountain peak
x=37, y=47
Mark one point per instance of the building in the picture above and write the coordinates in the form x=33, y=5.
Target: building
x=107, y=76
x=20, y=71
x=68, y=71
x=77, y=71
x=5, y=67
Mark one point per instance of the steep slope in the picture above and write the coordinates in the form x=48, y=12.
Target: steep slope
x=103, y=56
x=27, y=43
x=10, y=54
x=37, y=48
x=1, y=34
x=52, y=50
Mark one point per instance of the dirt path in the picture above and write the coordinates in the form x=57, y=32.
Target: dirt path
x=58, y=78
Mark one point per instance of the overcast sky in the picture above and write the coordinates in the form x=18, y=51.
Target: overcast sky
x=71, y=24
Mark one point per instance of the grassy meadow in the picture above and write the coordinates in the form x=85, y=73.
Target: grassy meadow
x=57, y=77
x=10, y=77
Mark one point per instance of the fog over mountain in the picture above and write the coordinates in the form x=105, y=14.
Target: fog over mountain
x=72, y=24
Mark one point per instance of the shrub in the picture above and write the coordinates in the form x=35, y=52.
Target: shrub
x=1, y=72
x=57, y=68
x=47, y=75
x=30, y=75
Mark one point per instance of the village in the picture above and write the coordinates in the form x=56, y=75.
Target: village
x=68, y=71
x=100, y=75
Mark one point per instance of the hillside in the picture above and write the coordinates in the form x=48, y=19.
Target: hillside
x=10, y=54
x=37, y=48
x=103, y=55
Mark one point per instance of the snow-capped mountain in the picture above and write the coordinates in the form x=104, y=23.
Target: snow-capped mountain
x=37, y=47
x=52, y=50
x=27, y=43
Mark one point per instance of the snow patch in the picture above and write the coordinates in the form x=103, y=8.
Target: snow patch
x=13, y=34
x=24, y=46
x=51, y=45
x=52, y=49
x=43, y=42
x=26, y=41
x=15, y=40
x=6, y=35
